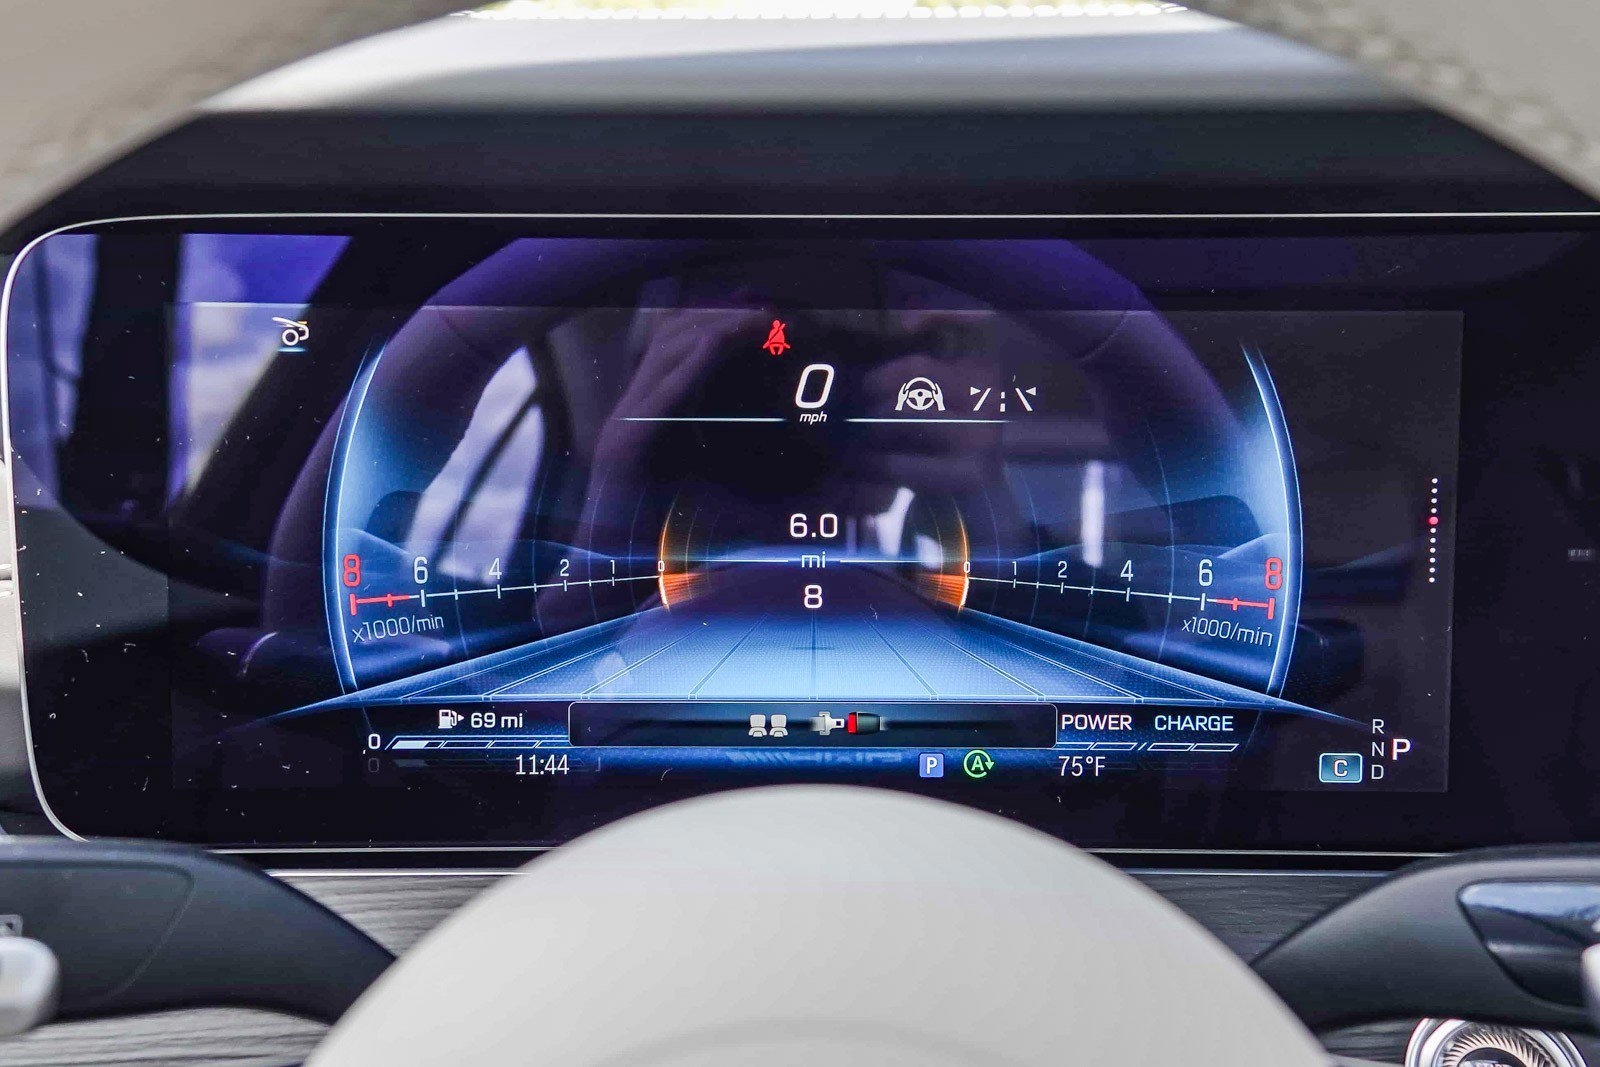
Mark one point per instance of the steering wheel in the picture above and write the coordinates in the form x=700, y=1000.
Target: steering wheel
x=795, y=924
x=818, y=924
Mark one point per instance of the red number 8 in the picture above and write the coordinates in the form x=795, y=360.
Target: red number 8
x=352, y=570
x=1274, y=573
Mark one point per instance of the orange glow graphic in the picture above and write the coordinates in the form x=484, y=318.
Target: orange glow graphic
x=677, y=587
x=949, y=584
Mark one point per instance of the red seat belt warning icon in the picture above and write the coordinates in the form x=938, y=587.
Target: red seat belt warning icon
x=777, y=343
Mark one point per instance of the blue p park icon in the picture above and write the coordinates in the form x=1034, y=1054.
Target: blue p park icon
x=930, y=765
x=1339, y=768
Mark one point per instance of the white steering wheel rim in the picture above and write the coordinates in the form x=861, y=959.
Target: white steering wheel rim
x=818, y=924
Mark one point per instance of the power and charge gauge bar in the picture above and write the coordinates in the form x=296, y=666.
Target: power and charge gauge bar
x=780, y=725
x=772, y=723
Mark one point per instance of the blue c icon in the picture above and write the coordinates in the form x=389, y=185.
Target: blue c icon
x=1339, y=768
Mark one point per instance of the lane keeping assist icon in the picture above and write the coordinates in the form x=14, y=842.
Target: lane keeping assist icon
x=1339, y=768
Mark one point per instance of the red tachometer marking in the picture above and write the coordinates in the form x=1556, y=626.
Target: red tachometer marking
x=388, y=600
x=1270, y=604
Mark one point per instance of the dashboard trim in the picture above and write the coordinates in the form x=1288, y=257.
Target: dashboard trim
x=439, y=849
x=500, y=872
x=13, y=560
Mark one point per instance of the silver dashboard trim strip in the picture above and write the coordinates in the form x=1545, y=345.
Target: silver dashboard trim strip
x=339, y=850
x=501, y=872
x=392, y=872
x=446, y=849
x=5, y=423
x=318, y=850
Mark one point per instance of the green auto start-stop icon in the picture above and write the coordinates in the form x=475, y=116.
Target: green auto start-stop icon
x=977, y=763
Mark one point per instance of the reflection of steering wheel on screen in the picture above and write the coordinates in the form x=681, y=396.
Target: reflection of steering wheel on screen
x=800, y=924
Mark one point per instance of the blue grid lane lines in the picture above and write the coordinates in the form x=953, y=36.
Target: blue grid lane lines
x=934, y=655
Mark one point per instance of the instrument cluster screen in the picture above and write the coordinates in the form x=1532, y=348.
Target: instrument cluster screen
x=884, y=542
x=515, y=534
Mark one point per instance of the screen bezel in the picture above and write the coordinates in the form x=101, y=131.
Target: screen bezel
x=84, y=796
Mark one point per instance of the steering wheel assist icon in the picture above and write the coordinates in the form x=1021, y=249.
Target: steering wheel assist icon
x=920, y=394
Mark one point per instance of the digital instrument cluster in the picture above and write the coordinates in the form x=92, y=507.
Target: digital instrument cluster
x=877, y=542
x=490, y=531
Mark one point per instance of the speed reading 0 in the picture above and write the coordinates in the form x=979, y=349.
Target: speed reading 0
x=814, y=387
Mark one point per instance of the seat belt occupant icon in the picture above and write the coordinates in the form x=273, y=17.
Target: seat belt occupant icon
x=777, y=343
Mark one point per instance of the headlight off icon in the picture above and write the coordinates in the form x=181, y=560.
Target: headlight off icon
x=920, y=394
